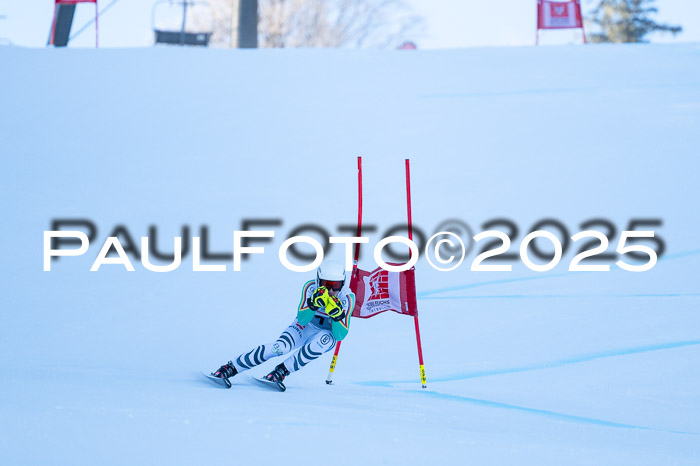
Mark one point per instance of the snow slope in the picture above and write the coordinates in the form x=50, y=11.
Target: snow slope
x=523, y=367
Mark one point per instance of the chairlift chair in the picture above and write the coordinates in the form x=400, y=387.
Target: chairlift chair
x=165, y=16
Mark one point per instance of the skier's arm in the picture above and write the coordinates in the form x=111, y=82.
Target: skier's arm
x=304, y=313
x=347, y=306
x=305, y=294
x=340, y=327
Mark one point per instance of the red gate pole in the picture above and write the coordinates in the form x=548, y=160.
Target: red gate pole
x=353, y=277
x=423, y=380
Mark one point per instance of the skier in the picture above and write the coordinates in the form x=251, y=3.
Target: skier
x=322, y=318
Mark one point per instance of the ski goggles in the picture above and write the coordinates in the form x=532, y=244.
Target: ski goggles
x=335, y=285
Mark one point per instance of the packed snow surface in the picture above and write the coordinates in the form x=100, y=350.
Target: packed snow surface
x=523, y=367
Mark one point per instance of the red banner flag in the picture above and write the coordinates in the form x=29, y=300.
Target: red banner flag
x=380, y=290
x=559, y=15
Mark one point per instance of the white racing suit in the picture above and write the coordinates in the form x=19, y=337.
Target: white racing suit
x=311, y=340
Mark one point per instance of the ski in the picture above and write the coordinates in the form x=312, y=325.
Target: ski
x=218, y=380
x=279, y=386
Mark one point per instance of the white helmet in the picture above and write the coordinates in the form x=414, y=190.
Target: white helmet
x=331, y=274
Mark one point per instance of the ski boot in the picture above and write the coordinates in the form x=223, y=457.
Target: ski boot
x=277, y=376
x=224, y=372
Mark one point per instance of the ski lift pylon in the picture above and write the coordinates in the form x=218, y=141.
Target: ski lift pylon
x=63, y=13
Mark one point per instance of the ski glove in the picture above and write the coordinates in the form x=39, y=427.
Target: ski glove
x=317, y=299
x=334, y=309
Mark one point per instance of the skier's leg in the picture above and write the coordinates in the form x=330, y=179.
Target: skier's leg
x=321, y=342
x=290, y=339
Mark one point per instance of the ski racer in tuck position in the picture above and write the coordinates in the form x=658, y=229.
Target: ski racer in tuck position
x=322, y=319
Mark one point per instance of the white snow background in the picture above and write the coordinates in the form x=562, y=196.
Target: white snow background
x=523, y=367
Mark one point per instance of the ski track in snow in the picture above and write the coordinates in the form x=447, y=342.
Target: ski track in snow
x=679, y=255
x=541, y=366
x=568, y=296
x=544, y=91
x=542, y=412
x=544, y=365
